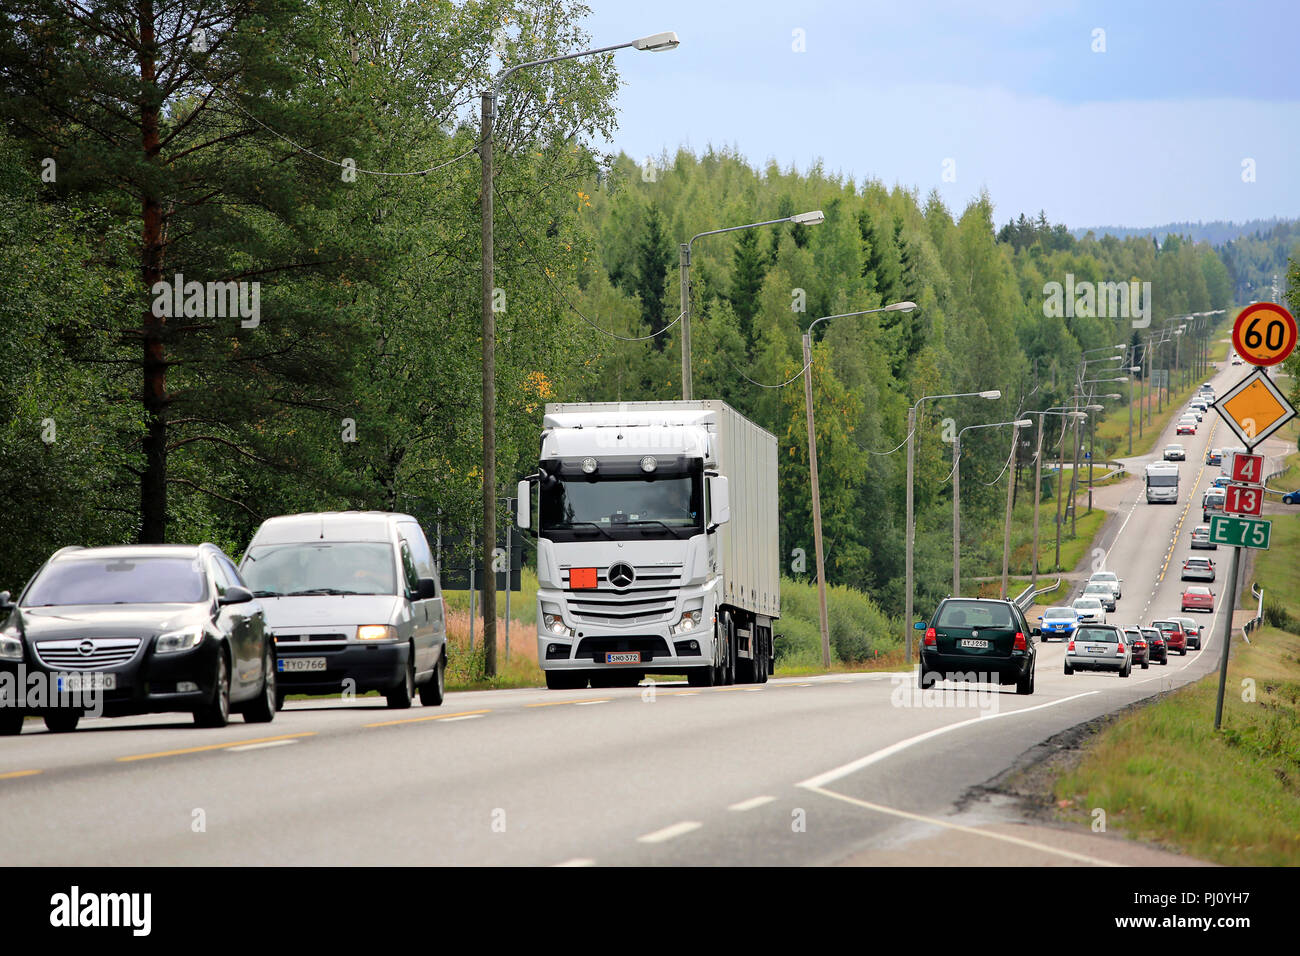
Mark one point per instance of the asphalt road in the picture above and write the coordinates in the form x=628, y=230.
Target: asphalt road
x=838, y=769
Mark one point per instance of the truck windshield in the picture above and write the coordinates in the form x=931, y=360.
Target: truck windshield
x=625, y=508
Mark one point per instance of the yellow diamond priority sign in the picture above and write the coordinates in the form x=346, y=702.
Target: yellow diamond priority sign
x=1255, y=408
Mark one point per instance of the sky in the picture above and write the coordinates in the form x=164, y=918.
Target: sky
x=1173, y=111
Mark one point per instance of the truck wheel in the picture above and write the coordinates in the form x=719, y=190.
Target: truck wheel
x=566, y=680
x=765, y=655
x=732, y=655
x=702, y=676
x=747, y=667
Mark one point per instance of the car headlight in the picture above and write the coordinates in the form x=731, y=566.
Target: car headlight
x=376, y=632
x=183, y=640
x=11, y=646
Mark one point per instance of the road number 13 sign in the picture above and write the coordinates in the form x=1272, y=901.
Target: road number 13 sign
x=1244, y=500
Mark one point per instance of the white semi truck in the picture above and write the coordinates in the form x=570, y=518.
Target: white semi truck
x=656, y=543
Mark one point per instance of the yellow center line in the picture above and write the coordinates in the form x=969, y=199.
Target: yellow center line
x=1183, y=517
x=561, y=703
x=14, y=774
x=416, y=720
x=222, y=746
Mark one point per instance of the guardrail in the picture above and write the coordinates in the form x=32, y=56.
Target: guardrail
x=1025, y=599
x=1258, y=594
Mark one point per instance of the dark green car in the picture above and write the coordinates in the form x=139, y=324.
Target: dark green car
x=979, y=639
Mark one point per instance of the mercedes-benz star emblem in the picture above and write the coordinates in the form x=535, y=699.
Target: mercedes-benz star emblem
x=621, y=575
x=86, y=648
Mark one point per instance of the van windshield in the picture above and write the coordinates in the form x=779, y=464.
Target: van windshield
x=1162, y=481
x=321, y=567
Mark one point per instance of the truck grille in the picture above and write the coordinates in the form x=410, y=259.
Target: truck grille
x=103, y=652
x=596, y=647
x=650, y=597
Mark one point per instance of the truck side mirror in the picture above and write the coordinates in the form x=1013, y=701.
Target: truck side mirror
x=719, y=500
x=523, y=502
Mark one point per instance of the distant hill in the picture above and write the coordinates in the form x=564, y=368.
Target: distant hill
x=1216, y=233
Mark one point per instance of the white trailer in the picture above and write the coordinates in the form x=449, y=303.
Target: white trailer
x=657, y=543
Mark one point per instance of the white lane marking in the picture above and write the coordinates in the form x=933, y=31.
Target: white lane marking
x=578, y=861
x=990, y=834
x=830, y=776
x=668, y=833
x=588, y=703
x=752, y=803
x=269, y=743
x=452, y=720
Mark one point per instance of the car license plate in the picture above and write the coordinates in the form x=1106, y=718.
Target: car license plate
x=292, y=665
x=623, y=657
x=1094, y=649
x=75, y=683
x=976, y=644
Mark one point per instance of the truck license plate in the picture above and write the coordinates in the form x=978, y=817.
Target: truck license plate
x=623, y=657
x=291, y=665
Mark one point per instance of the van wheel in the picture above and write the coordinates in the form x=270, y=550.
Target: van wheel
x=262, y=709
x=433, y=690
x=63, y=722
x=216, y=712
x=400, y=696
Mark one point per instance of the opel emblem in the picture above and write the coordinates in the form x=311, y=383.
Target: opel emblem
x=621, y=575
x=86, y=648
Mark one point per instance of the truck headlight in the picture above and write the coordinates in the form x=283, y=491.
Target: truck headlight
x=11, y=647
x=689, y=622
x=555, y=624
x=376, y=632
x=183, y=640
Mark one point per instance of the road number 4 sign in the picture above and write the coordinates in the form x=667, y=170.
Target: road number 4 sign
x=1248, y=468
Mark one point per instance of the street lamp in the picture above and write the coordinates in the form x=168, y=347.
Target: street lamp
x=909, y=532
x=653, y=43
x=956, y=491
x=1066, y=412
x=812, y=218
x=812, y=463
x=1060, y=472
x=1092, y=440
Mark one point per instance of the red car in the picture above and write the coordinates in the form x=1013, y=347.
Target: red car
x=1198, y=599
x=1186, y=428
x=1175, y=637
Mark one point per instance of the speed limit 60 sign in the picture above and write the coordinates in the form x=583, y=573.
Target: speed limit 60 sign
x=1244, y=500
x=1264, y=333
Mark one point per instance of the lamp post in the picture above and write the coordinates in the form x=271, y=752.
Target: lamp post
x=956, y=493
x=812, y=218
x=812, y=464
x=1062, y=410
x=654, y=43
x=1092, y=439
x=909, y=532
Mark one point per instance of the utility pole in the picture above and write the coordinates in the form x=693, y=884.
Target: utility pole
x=1038, y=492
x=956, y=515
x=688, y=389
x=1074, y=474
x=489, y=395
x=908, y=531
x=1006, y=528
x=816, y=500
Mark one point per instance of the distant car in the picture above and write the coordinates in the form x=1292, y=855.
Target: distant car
x=1059, y=622
x=1291, y=498
x=1175, y=637
x=1214, y=456
x=1111, y=578
x=1198, y=569
x=1186, y=426
x=979, y=639
x=1103, y=591
x=1212, y=502
x=1201, y=538
x=1175, y=453
x=1198, y=598
x=1090, y=609
x=1157, y=650
x=1193, y=632
x=1138, y=646
x=147, y=628
x=1098, y=647
x=1221, y=481
x=1194, y=411
x=1236, y=359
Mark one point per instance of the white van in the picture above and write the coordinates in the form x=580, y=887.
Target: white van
x=1162, y=482
x=354, y=602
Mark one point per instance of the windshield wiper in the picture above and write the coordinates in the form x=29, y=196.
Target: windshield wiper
x=570, y=524
x=319, y=591
x=267, y=594
x=667, y=527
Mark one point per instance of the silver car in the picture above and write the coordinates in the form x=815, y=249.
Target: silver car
x=354, y=602
x=1091, y=610
x=1111, y=578
x=1099, y=647
x=1103, y=591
